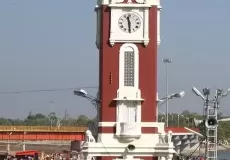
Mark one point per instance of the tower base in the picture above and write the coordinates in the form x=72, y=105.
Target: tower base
x=148, y=145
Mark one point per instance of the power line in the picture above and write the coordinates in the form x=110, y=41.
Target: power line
x=46, y=90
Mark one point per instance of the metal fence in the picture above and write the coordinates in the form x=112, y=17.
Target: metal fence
x=43, y=128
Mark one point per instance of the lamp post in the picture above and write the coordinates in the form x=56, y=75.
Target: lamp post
x=8, y=142
x=96, y=102
x=24, y=142
x=187, y=121
x=172, y=124
x=165, y=100
x=178, y=119
x=54, y=117
x=166, y=61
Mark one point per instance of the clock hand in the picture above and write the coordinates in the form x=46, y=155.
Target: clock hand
x=129, y=24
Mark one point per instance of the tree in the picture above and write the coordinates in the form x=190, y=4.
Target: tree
x=52, y=118
x=82, y=120
x=221, y=133
x=220, y=115
x=185, y=112
x=40, y=119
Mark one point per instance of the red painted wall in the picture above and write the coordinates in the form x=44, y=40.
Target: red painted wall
x=109, y=63
x=42, y=136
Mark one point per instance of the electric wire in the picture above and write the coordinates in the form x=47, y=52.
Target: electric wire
x=96, y=105
x=95, y=127
x=194, y=151
x=46, y=90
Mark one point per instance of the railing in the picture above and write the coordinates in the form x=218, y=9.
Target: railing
x=43, y=129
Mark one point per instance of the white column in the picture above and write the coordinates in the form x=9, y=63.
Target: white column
x=112, y=28
x=98, y=12
x=161, y=158
x=169, y=157
x=87, y=157
x=146, y=26
x=158, y=24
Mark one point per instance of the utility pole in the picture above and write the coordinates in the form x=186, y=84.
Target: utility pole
x=211, y=125
x=167, y=61
x=210, y=122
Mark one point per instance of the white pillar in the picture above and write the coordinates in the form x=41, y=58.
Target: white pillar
x=87, y=157
x=8, y=147
x=158, y=25
x=169, y=157
x=24, y=146
x=161, y=158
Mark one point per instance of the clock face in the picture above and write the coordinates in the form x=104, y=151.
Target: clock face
x=129, y=22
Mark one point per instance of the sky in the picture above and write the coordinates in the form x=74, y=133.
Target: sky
x=51, y=45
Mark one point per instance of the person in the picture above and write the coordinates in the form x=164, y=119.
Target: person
x=201, y=158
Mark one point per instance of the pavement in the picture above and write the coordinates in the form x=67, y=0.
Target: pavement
x=188, y=152
x=46, y=146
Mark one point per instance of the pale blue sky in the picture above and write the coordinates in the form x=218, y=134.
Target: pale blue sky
x=51, y=44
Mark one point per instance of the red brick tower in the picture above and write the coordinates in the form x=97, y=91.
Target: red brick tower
x=127, y=43
x=127, y=39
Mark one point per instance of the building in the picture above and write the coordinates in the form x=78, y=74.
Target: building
x=128, y=35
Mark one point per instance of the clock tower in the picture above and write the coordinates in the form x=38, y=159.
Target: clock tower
x=128, y=35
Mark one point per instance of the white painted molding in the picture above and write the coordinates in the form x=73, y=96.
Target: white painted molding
x=140, y=1
x=159, y=125
x=133, y=48
x=143, y=124
x=146, y=26
x=130, y=93
x=145, y=148
x=118, y=36
x=129, y=5
x=158, y=25
x=149, y=2
x=116, y=1
x=98, y=27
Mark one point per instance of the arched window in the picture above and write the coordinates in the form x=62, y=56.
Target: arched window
x=128, y=66
x=128, y=94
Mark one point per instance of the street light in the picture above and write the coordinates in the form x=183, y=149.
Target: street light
x=165, y=100
x=82, y=93
x=171, y=96
x=94, y=101
x=206, y=91
x=166, y=61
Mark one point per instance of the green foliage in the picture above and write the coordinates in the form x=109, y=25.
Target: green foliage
x=51, y=119
x=185, y=119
